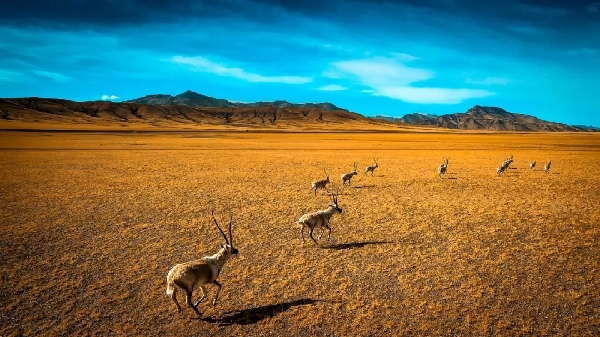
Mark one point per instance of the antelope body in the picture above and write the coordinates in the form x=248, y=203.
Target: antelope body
x=346, y=177
x=442, y=168
x=320, y=184
x=319, y=219
x=197, y=273
x=547, y=167
x=504, y=166
x=372, y=167
x=500, y=170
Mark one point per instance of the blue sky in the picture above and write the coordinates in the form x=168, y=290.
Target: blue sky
x=373, y=57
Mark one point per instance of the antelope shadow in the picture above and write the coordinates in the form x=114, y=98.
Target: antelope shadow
x=350, y=245
x=255, y=315
x=364, y=186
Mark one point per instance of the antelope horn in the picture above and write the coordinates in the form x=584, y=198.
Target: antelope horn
x=220, y=230
x=230, y=238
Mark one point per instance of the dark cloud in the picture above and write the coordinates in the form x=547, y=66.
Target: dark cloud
x=125, y=12
x=567, y=24
x=108, y=12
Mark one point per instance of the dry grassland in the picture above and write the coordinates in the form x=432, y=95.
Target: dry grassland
x=92, y=222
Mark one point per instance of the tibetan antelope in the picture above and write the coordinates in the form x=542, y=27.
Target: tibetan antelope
x=319, y=219
x=346, y=177
x=372, y=167
x=504, y=166
x=442, y=168
x=547, y=167
x=320, y=184
x=198, y=273
x=532, y=165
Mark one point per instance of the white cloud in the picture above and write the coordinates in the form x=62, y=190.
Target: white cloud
x=431, y=95
x=109, y=98
x=490, y=81
x=202, y=64
x=390, y=78
x=60, y=78
x=382, y=71
x=332, y=87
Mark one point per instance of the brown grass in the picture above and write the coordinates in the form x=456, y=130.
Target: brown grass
x=92, y=222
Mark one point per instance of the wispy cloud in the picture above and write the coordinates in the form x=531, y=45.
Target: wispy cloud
x=109, y=97
x=9, y=75
x=404, y=57
x=390, y=78
x=382, y=71
x=594, y=7
x=546, y=11
x=431, y=95
x=60, y=78
x=202, y=64
x=489, y=81
x=527, y=29
x=332, y=87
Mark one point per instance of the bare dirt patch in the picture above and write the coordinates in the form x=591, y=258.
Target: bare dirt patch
x=92, y=222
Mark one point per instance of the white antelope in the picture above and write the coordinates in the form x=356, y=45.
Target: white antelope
x=532, y=165
x=442, y=168
x=547, y=167
x=346, y=177
x=198, y=273
x=320, y=184
x=319, y=219
x=372, y=167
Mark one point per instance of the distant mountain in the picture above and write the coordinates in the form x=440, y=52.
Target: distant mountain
x=488, y=118
x=414, y=118
x=194, y=99
x=191, y=110
x=158, y=112
x=587, y=127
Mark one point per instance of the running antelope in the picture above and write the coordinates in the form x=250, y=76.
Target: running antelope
x=319, y=219
x=320, y=184
x=372, y=167
x=198, y=273
x=532, y=165
x=346, y=177
x=442, y=168
x=547, y=167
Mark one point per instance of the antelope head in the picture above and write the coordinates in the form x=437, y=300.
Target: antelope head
x=228, y=246
x=334, y=198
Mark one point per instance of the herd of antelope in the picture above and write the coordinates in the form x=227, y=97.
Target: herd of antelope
x=198, y=273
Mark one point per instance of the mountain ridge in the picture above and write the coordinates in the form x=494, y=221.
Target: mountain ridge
x=190, y=109
x=488, y=118
x=194, y=99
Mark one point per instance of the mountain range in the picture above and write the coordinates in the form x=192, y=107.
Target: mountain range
x=190, y=109
x=487, y=118
x=194, y=99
